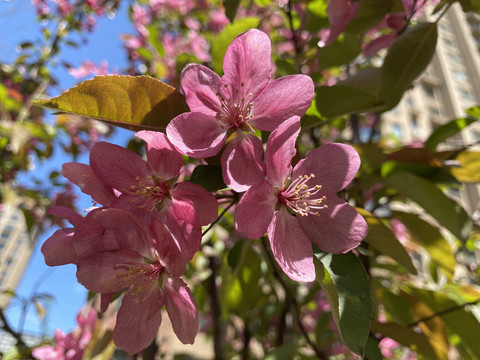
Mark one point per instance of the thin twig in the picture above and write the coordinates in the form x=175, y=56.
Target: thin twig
x=6, y=326
x=292, y=299
x=218, y=328
x=443, y=312
x=218, y=218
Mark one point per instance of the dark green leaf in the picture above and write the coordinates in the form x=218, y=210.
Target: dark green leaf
x=284, y=352
x=445, y=131
x=339, y=100
x=407, y=58
x=447, y=212
x=369, y=13
x=342, y=51
x=470, y=5
x=367, y=79
x=381, y=238
x=231, y=7
x=133, y=102
x=431, y=239
x=209, y=177
x=347, y=289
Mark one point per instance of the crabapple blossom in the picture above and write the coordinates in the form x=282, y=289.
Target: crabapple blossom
x=299, y=206
x=243, y=98
x=145, y=263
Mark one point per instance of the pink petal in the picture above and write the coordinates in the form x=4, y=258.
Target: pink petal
x=255, y=210
x=282, y=99
x=66, y=213
x=182, y=310
x=247, y=61
x=87, y=239
x=340, y=13
x=334, y=166
x=138, y=320
x=201, y=86
x=106, y=272
x=337, y=229
x=117, y=166
x=83, y=176
x=242, y=163
x=105, y=300
x=197, y=135
x=378, y=44
x=47, y=352
x=281, y=150
x=163, y=159
x=58, y=249
x=291, y=246
x=123, y=230
x=193, y=204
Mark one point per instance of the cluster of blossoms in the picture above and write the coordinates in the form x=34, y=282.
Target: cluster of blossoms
x=149, y=225
x=70, y=346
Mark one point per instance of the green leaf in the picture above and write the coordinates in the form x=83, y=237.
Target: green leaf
x=369, y=14
x=208, y=176
x=447, y=212
x=342, y=51
x=469, y=170
x=221, y=42
x=445, y=131
x=133, y=102
x=407, y=58
x=470, y=5
x=406, y=337
x=347, y=289
x=231, y=7
x=474, y=111
x=340, y=100
x=431, y=239
x=381, y=238
x=367, y=79
x=284, y=352
x=458, y=319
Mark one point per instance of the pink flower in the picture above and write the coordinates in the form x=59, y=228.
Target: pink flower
x=146, y=265
x=218, y=20
x=148, y=188
x=299, y=206
x=340, y=13
x=70, y=346
x=227, y=107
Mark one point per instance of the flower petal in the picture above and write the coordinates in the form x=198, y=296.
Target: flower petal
x=106, y=272
x=117, y=166
x=83, y=176
x=242, y=163
x=255, y=210
x=291, y=246
x=163, y=159
x=182, y=310
x=58, y=249
x=281, y=150
x=337, y=229
x=138, y=320
x=66, y=213
x=282, y=99
x=193, y=204
x=201, y=86
x=340, y=13
x=197, y=135
x=334, y=166
x=247, y=61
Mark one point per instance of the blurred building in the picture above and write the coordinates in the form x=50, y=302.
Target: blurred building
x=449, y=86
x=16, y=246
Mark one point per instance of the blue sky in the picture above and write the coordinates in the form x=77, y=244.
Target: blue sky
x=17, y=19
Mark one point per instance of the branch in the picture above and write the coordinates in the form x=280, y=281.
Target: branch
x=6, y=326
x=292, y=300
x=443, y=312
x=218, y=329
x=219, y=217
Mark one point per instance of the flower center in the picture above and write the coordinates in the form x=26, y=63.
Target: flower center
x=153, y=192
x=140, y=276
x=302, y=198
x=236, y=112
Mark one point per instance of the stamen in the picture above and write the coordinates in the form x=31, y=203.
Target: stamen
x=302, y=198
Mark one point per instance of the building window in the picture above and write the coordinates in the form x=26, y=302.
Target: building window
x=7, y=232
x=459, y=75
x=465, y=94
x=397, y=131
x=409, y=102
x=447, y=41
x=428, y=90
x=454, y=58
